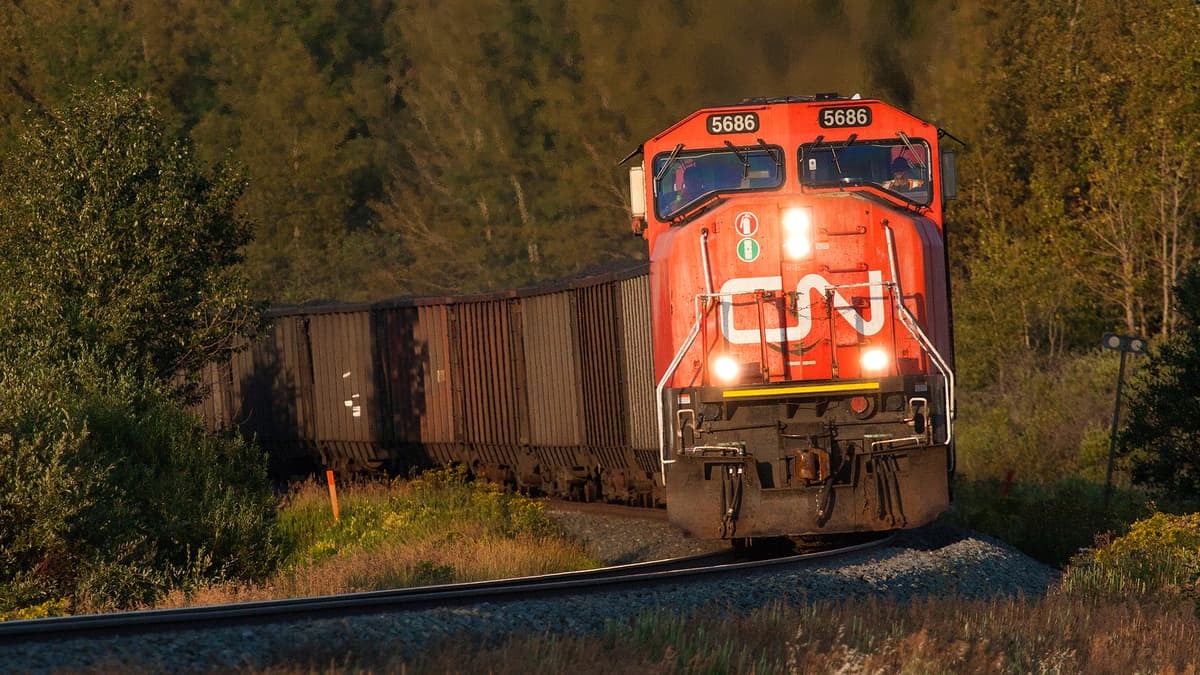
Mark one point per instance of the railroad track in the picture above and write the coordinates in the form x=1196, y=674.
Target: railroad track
x=607, y=579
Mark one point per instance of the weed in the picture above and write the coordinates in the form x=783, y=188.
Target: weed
x=1159, y=555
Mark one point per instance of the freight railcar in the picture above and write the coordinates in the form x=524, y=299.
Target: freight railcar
x=800, y=303
x=548, y=390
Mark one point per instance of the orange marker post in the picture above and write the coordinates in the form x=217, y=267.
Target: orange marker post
x=332, y=493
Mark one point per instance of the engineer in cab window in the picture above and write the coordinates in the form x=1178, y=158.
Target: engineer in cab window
x=904, y=176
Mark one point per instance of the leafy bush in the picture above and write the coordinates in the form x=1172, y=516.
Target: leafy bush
x=1049, y=522
x=1160, y=554
x=111, y=494
x=46, y=482
x=42, y=611
x=118, y=272
x=1043, y=423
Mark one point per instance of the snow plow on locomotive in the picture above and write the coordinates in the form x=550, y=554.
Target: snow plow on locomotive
x=801, y=317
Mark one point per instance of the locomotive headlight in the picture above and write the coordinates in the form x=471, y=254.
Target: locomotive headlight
x=726, y=369
x=874, y=359
x=797, y=232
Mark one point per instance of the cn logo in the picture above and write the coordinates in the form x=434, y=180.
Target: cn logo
x=809, y=286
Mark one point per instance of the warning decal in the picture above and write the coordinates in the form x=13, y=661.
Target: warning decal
x=746, y=223
x=748, y=250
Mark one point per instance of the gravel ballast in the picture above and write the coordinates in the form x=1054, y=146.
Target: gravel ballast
x=936, y=560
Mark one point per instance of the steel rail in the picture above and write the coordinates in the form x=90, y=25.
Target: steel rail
x=607, y=579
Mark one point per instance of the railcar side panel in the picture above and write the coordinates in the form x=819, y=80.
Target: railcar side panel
x=600, y=366
x=552, y=364
x=637, y=366
x=271, y=385
x=216, y=409
x=640, y=421
x=435, y=344
x=401, y=367
x=404, y=360
x=492, y=429
x=345, y=381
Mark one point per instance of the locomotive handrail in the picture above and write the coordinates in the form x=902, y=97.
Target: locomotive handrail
x=918, y=334
x=910, y=322
x=662, y=384
x=704, y=260
x=687, y=344
x=704, y=304
x=875, y=445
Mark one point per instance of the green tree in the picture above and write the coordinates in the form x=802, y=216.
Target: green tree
x=50, y=46
x=1079, y=187
x=118, y=259
x=1137, y=111
x=297, y=92
x=1090, y=144
x=115, y=243
x=1014, y=247
x=501, y=189
x=304, y=95
x=1162, y=435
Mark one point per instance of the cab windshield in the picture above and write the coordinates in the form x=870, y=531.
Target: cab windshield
x=895, y=165
x=682, y=179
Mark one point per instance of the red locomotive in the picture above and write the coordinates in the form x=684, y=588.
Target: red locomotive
x=801, y=316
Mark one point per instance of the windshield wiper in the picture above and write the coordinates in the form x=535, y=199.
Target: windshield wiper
x=771, y=151
x=741, y=158
x=670, y=161
x=908, y=144
x=834, y=148
x=834, y=152
x=745, y=162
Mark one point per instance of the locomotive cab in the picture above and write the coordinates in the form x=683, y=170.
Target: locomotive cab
x=801, y=317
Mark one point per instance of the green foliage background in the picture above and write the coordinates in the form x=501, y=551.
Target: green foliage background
x=116, y=244
x=402, y=146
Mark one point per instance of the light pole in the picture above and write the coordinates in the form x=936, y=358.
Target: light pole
x=1126, y=344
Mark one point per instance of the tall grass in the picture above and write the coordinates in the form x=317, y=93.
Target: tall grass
x=436, y=529
x=1060, y=633
x=1126, y=605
